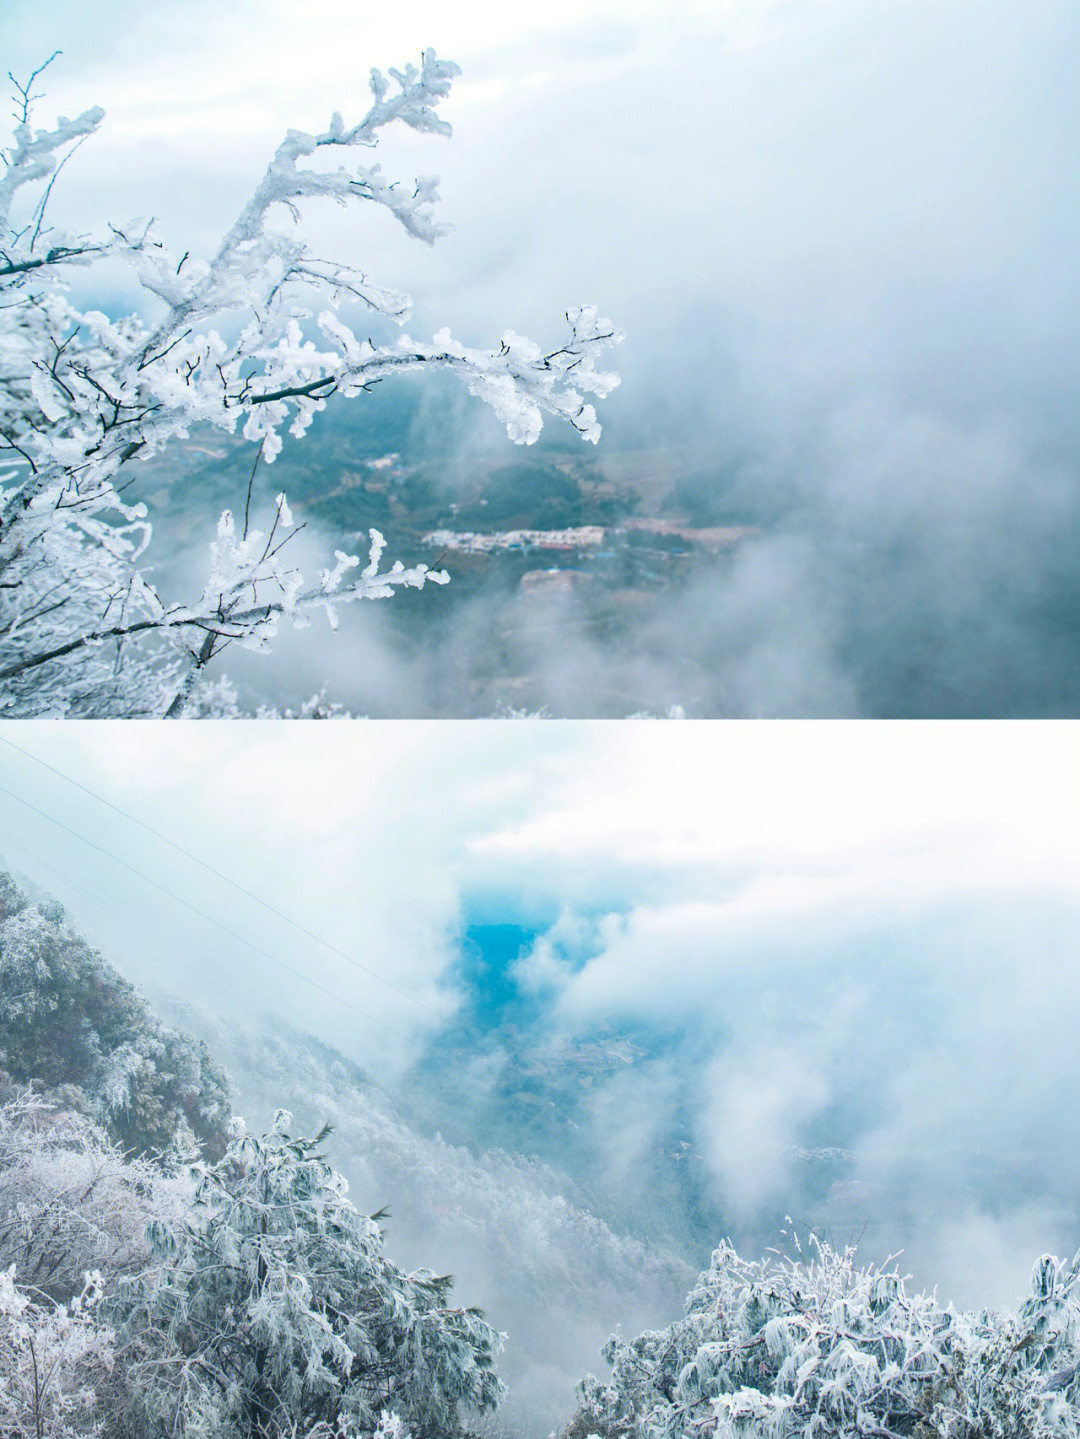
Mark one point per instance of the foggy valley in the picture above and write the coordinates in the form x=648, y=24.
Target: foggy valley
x=838, y=474
x=578, y=1021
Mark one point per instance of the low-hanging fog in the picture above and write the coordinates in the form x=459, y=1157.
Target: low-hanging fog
x=616, y=991
x=841, y=240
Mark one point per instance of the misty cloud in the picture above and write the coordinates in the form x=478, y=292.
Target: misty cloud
x=842, y=245
x=825, y=971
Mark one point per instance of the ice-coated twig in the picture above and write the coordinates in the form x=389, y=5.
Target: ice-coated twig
x=88, y=393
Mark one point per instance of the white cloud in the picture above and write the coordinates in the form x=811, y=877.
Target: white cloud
x=753, y=1114
x=859, y=934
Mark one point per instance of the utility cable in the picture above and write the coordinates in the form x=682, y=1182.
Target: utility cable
x=296, y=924
x=26, y=853
x=234, y=934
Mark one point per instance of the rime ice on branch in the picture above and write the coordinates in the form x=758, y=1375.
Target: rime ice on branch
x=815, y=1346
x=82, y=631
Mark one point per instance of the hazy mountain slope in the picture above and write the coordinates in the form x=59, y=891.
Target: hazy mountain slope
x=549, y=1273
x=70, y=1022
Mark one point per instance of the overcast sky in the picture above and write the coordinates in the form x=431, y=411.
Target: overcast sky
x=858, y=934
x=858, y=192
x=382, y=837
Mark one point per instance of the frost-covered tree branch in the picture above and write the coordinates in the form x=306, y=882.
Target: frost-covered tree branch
x=219, y=342
x=54, y=1358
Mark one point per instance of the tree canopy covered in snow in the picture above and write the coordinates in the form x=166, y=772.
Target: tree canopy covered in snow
x=218, y=341
x=816, y=1346
x=56, y=1362
x=247, y=1297
x=274, y=1311
x=71, y=1201
x=72, y=1024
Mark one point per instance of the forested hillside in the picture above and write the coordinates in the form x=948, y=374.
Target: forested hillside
x=89, y=1070
x=71, y=1025
x=167, y=1270
x=163, y=1270
x=518, y=1234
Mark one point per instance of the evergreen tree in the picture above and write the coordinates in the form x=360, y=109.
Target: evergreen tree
x=272, y=1311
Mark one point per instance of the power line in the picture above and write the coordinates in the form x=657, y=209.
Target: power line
x=21, y=847
x=296, y=924
x=234, y=934
x=95, y=899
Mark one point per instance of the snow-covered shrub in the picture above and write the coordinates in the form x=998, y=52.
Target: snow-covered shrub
x=218, y=341
x=70, y=1201
x=272, y=1310
x=56, y=1362
x=818, y=1347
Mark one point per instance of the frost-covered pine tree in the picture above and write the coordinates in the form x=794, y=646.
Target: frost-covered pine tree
x=272, y=1311
x=817, y=1347
x=219, y=341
